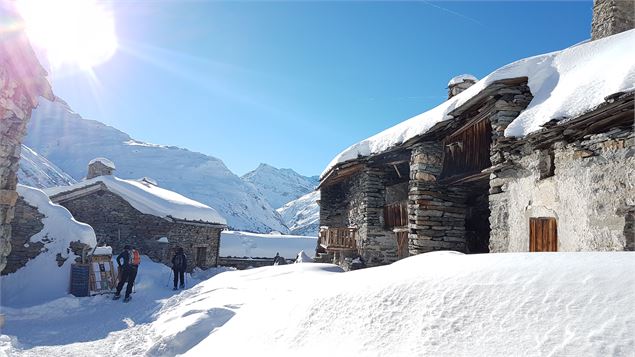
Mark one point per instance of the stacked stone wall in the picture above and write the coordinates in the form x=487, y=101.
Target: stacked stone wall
x=611, y=17
x=27, y=223
x=591, y=194
x=117, y=223
x=436, y=211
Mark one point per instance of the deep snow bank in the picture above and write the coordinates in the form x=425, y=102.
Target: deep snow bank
x=41, y=279
x=449, y=304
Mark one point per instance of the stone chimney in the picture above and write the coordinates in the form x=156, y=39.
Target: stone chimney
x=100, y=167
x=611, y=17
x=460, y=83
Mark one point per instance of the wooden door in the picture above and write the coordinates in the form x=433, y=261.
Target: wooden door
x=543, y=234
x=201, y=257
x=402, y=244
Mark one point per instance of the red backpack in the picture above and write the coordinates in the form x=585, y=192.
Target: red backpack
x=135, y=258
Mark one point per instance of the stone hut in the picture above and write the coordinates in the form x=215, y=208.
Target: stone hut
x=500, y=166
x=22, y=81
x=100, y=167
x=138, y=212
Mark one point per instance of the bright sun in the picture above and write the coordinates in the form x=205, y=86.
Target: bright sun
x=80, y=32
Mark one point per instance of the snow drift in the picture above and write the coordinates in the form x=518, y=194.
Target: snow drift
x=437, y=304
x=565, y=84
x=41, y=279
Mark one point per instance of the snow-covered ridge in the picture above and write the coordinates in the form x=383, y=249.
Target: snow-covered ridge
x=149, y=199
x=279, y=186
x=565, y=84
x=41, y=279
x=36, y=171
x=70, y=142
x=302, y=216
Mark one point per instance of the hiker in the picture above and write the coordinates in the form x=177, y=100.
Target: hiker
x=278, y=260
x=128, y=262
x=179, y=265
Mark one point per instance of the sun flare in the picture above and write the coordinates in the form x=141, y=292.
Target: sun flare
x=79, y=32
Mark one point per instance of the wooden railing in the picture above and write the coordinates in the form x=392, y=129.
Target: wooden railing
x=338, y=238
x=396, y=214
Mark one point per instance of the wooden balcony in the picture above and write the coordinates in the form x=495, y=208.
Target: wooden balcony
x=396, y=215
x=335, y=239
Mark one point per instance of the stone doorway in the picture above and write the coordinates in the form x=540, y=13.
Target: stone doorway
x=477, y=229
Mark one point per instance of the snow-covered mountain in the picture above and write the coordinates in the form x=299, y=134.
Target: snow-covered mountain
x=279, y=186
x=302, y=216
x=70, y=141
x=36, y=171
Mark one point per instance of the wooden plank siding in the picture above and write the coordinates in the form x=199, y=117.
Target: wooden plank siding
x=334, y=239
x=543, y=234
x=396, y=215
x=467, y=151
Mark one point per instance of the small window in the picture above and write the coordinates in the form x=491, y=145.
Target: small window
x=543, y=234
x=546, y=164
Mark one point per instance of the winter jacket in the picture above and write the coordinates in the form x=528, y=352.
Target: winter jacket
x=179, y=262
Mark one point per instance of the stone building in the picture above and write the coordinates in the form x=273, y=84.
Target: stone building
x=22, y=81
x=534, y=157
x=139, y=213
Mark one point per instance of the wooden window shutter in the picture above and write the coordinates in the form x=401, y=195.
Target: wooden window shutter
x=543, y=234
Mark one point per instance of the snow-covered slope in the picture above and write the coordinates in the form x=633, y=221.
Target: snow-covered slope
x=70, y=141
x=41, y=279
x=302, y=216
x=36, y=171
x=251, y=245
x=435, y=304
x=279, y=186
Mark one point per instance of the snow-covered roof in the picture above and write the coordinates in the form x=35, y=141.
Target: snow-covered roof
x=104, y=161
x=105, y=250
x=565, y=84
x=462, y=78
x=41, y=279
x=149, y=199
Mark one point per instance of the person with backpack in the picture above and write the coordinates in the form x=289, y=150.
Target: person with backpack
x=179, y=265
x=128, y=262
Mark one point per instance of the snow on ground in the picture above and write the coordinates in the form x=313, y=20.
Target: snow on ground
x=441, y=303
x=150, y=199
x=41, y=279
x=254, y=245
x=565, y=84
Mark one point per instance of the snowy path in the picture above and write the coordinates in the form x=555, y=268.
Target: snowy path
x=437, y=304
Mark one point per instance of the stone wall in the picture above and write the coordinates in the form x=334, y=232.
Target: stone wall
x=591, y=194
x=97, y=169
x=436, y=212
x=611, y=17
x=117, y=223
x=359, y=202
x=22, y=80
x=27, y=223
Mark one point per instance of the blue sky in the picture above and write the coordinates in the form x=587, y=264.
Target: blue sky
x=292, y=84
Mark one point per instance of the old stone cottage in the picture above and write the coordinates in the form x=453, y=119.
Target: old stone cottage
x=22, y=81
x=537, y=156
x=139, y=213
